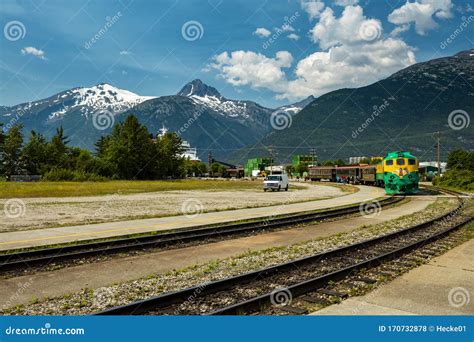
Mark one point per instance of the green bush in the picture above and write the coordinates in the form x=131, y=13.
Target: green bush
x=459, y=179
x=73, y=176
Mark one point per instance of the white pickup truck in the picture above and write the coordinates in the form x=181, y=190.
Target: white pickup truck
x=276, y=182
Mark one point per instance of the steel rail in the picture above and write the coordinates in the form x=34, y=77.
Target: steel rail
x=41, y=257
x=166, y=300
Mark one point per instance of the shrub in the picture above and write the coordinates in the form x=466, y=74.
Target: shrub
x=460, y=179
x=70, y=175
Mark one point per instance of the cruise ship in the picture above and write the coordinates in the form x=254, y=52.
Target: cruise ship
x=189, y=152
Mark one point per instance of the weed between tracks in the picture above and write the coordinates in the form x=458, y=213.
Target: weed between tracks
x=88, y=300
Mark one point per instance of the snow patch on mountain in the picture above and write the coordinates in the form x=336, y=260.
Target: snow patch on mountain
x=99, y=97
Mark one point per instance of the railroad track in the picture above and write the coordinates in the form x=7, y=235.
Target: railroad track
x=43, y=257
x=254, y=291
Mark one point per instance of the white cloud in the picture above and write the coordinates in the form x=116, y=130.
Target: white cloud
x=242, y=68
x=293, y=36
x=312, y=7
x=351, y=28
x=124, y=53
x=421, y=14
x=348, y=66
x=287, y=28
x=346, y=2
x=399, y=29
x=262, y=32
x=30, y=50
x=355, y=53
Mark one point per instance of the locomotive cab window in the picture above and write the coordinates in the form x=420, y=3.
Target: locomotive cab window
x=389, y=162
x=411, y=162
x=400, y=161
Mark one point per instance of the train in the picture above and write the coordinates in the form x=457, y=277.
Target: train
x=398, y=173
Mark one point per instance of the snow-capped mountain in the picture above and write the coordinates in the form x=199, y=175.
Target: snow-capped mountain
x=84, y=100
x=243, y=122
x=208, y=96
x=296, y=107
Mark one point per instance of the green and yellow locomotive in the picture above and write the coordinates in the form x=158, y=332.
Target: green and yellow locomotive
x=400, y=173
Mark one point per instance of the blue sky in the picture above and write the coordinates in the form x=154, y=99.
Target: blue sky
x=316, y=46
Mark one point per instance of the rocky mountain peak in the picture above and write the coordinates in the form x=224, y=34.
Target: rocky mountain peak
x=198, y=88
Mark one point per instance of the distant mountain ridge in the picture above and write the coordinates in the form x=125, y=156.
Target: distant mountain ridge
x=401, y=112
x=223, y=125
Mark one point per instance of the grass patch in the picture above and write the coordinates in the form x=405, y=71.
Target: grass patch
x=74, y=189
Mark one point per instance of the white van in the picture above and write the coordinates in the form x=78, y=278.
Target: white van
x=276, y=182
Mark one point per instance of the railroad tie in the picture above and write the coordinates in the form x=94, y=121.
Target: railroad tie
x=314, y=300
x=367, y=280
x=294, y=310
x=334, y=293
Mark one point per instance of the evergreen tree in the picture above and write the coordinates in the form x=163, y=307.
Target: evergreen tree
x=170, y=162
x=57, y=150
x=131, y=150
x=13, y=159
x=101, y=146
x=2, y=150
x=35, y=153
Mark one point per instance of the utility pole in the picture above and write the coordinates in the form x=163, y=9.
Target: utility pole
x=270, y=150
x=312, y=152
x=209, y=161
x=438, y=147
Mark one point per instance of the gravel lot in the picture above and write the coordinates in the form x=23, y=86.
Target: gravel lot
x=36, y=213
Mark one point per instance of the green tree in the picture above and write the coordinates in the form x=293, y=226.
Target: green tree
x=215, y=168
x=101, y=146
x=461, y=160
x=13, y=158
x=35, y=153
x=301, y=169
x=131, y=150
x=57, y=150
x=2, y=150
x=169, y=150
x=290, y=169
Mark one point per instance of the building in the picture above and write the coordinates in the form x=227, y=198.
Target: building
x=255, y=166
x=431, y=165
x=300, y=159
x=356, y=160
x=189, y=152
